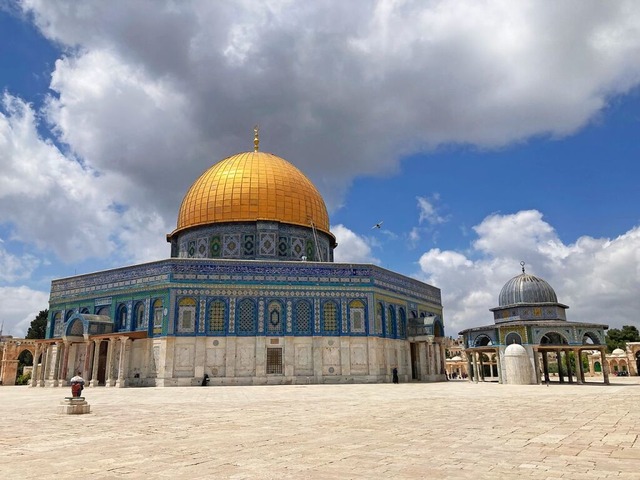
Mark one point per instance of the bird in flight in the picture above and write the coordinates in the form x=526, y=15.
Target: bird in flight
x=377, y=225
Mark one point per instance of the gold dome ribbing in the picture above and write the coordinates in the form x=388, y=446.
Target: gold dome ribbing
x=253, y=186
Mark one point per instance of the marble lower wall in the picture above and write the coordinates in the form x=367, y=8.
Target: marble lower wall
x=176, y=361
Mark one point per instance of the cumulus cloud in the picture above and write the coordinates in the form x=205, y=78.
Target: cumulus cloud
x=20, y=305
x=54, y=202
x=597, y=277
x=352, y=248
x=158, y=91
x=16, y=267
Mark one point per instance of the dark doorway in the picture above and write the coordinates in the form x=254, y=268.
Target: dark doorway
x=102, y=363
x=414, y=361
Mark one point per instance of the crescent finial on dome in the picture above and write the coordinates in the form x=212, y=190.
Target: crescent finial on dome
x=256, y=138
x=522, y=265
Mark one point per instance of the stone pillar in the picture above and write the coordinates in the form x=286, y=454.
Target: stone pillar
x=559, y=361
x=58, y=379
x=65, y=363
x=605, y=366
x=45, y=364
x=567, y=361
x=36, y=370
x=88, y=360
x=422, y=364
x=469, y=366
x=481, y=369
x=109, y=382
x=576, y=353
x=545, y=366
x=96, y=363
x=536, y=365
x=499, y=365
x=475, y=367
x=580, y=365
x=123, y=362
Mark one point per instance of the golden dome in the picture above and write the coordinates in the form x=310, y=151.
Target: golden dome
x=253, y=186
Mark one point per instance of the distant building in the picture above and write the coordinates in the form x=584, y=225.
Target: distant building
x=530, y=328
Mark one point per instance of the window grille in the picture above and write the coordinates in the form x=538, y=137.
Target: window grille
x=330, y=317
x=303, y=317
x=391, y=317
x=216, y=316
x=379, y=315
x=157, y=314
x=274, y=361
x=246, y=317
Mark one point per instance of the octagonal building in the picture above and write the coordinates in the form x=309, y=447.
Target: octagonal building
x=250, y=295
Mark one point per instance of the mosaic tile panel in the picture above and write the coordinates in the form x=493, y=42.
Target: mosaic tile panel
x=267, y=244
x=283, y=246
x=202, y=248
x=215, y=246
x=231, y=246
x=249, y=245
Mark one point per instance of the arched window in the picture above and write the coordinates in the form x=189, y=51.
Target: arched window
x=121, y=317
x=157, y=315
x=246, y=317
x=186, y=315
x=274, y=320
x=513, y=337
x=482, y=341
x=303, y=322
x=356, y=316
x=57, y=324
x=402, y=324
x=379, y=318
x=140, y=317
x=390, y=323
x=103, y=311
x=553, y=338
x=330, y=317
x=217, y=314
x=84, y=310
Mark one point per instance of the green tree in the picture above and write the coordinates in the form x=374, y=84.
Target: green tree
x=38, y=327
x=617, y=338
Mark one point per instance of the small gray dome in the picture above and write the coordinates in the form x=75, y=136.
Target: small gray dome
x=526, y=288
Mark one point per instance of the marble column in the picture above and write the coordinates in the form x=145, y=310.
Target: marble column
x=36, y=370
x=96, y=363
x=65, y=363
x=545, y=366
x=481, y=370
x=579, y=375
x=109, y=381
x=123, y=363
x=567, y=361
x=536, y=365
x=88, y=357
x=605, y=366
x=469, y=365
x=475, y=367
x=499, y=365
x=57, y=366
x=559, y=362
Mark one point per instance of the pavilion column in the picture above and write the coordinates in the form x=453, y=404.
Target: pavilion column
x=605, y=367
x=579, y=367
x=422, y=365
x=567, y=360
x=36, y=370
x=123, y=363
x=96, y=362
x=499, y=365
x=109, y=382
x=545, y=365
x=65, y=363
x=481, y=366
x=57, y=366
x=559, y=362
x=475, y=367
x=469, y=366
x=45, y=365
x=536, y=365
x=88, y=357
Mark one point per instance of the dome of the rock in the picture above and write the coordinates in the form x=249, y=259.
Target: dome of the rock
x=526, y=288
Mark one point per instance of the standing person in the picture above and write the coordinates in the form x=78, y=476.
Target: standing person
x=395, y=376
x=77, y=385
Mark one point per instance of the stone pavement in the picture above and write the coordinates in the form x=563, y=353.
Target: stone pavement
x=453, y=430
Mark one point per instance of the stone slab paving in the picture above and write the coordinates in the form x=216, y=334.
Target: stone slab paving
x=453, y=430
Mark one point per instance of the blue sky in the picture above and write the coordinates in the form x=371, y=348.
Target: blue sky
x=481, y=134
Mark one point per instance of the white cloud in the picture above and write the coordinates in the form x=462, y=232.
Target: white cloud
x=428, y=210
x=14, y=267
x=20, y=305
x=352, y=248
x=597, y=278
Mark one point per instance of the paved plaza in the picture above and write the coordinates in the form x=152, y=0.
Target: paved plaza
x=446, y=430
